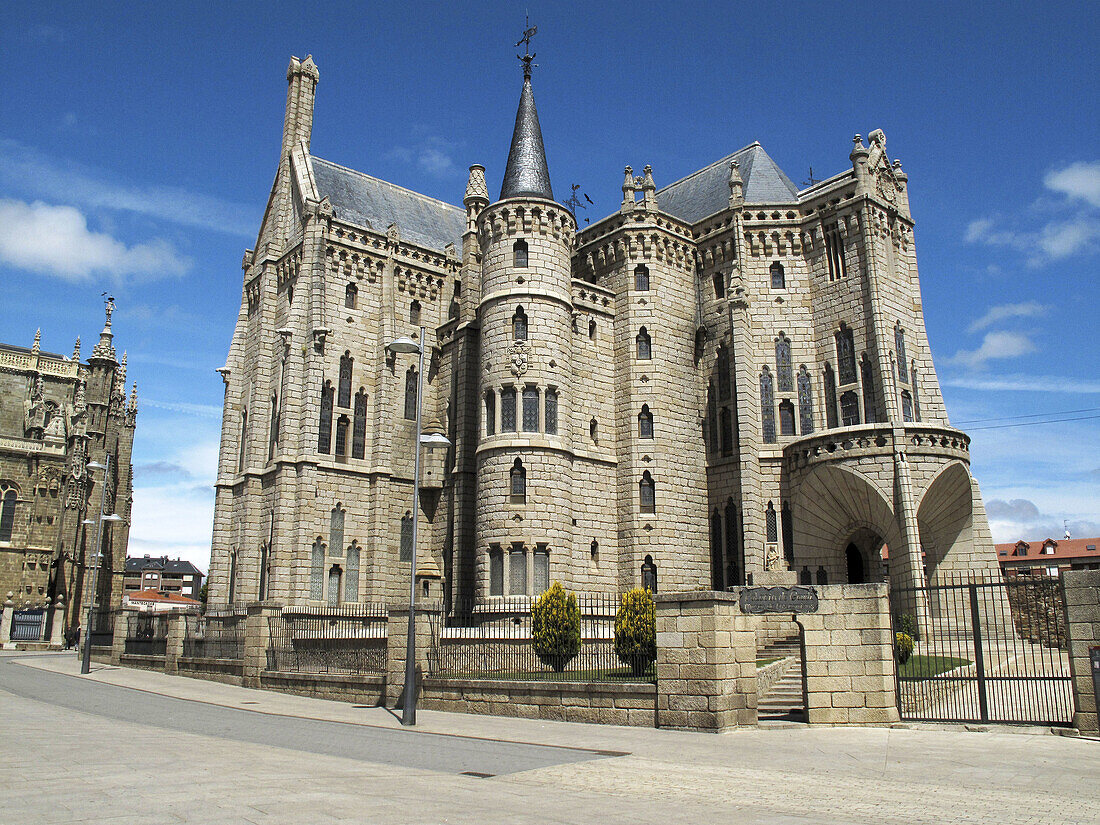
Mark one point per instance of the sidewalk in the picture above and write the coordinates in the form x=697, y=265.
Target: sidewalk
x=138, y=773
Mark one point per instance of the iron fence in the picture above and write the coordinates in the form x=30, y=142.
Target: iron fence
x=492, y=638
x=346, y=639
x=986, y=650
x=146, y=634
x=102, y=628
x=28, y=625
x=217, y=634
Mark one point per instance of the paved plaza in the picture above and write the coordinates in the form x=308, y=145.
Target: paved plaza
x=125, y=747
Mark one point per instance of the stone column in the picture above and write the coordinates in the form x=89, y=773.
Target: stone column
x=5, y=623
x=1082, y=596
x=173, y=649
x=397, y=629
x=257, y=638
x=706, y=662
x=118, y=638
x=57, y=623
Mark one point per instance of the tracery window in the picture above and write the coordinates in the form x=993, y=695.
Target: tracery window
x=519, y=325
x=770, y=526
x=317, y=571
x=916, y=395
x=846, y=355
x=783, y=375
x=830, y=397
x=351, y=576
x=496, y=571
x=7, y=514
x=530, y=410
x=490, y=413
x=849, y=409
x=906, y=406
x=867, y=377
x=517, y=570
x=805, y=402
x=786, y=417
x=541, y=565
x=359, y=430
x=899, y=345
x=550, y=423
x=406, y=537
x=733, y=536
x=778, y=276
x=242, y=446
x=411, y=390
x=336, y=530
x=767, y=406
x=647, y=493
x=716, y=550
x=712, y=418
x=518, y=485
x=324, y=433
x=351, y=295
x=508, y=410
x=645, y=348
x=722, y=367
x=641, y=278
x=788, y=533
x=645, y=422
x=519, y=253
x=344, y=397
x=342, y=436
x=726, y=437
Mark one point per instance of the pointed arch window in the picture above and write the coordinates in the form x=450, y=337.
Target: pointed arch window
x=496, y=570
x=592, y=330
x=767, y=406
x=770, y=526
x=530, y=409
x=649, y=574
x=641, y=278
x=726, y=436
x=830, y=397
x=273, y=432
x=647, y=493
x=866, y=376
x=242, y=446
x=786, y=417
x=779, y=277
x=645, y=346
x=846, y=355
x=414, y=313
x=508, y=410
x=351, y=296
x=519, y=253
x=334, y=576
x=716, y=550
x=517, y=570
x=317, y=571
x=906, y=406
x=550, y=422
x=899, y=345
x=541, y=568
x=645, y=422
x=519, y=325
x=490, y=413
x=784, y=378
x=722, y=367
x=712, y=418
x=916, y=395
x=733, y=534
x=594, y=431
x=849, y=409
x=518, y=483
x=336, y=530
x=788, y=533
x=805, y=402
x=406, y=537
x=342, y=436
x=351, y=577
x=411, y=389
x=7, y=514
x=719, y=286
x=359, y=429
x=324, y=430
x=834, y=251
x=343, y=398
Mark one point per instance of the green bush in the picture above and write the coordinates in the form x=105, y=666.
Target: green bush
x=556, y=627
x=903, y=647
x=636, y=630
x=907, y=625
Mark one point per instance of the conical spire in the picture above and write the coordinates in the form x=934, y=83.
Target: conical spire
x=527, y=173
x=104, y=349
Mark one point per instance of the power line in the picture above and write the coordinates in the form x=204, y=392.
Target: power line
x=1032, y=415
x=1033, y=423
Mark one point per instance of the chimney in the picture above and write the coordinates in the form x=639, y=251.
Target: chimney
x=302, y=77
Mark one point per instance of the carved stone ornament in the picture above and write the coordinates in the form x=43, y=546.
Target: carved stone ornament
x=887, y=185
x=771, y=559
x=520, y=358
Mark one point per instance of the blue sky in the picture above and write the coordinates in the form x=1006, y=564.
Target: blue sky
x=139, y=142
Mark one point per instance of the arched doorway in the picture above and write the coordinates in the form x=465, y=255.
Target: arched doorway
x=854, y=558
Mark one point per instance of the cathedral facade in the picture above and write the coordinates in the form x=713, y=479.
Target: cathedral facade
x=57, y=414
x=726, y=381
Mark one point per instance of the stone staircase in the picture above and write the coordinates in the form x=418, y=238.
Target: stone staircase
x=783, y=702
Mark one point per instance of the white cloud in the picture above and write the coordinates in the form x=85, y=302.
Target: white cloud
x=995, y=346
x=56, y=240
x=1021, y=518
x=34, y=173
x=1002, y=312
x=185, y=407
x=1024, y=383
x=1079, y=180
x=432, y=155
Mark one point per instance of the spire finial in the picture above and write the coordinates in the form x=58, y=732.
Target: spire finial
x=37, y=341
x=529, y=31
x=76, y=349
x=104, y=349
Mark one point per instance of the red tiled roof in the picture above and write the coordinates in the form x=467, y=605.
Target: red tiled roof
x=157, y=596
x=1064, y=549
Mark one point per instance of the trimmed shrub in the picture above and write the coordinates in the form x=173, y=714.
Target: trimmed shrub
x=636, y=630
x=907, y=625
x=556, y=627
x=903, y=647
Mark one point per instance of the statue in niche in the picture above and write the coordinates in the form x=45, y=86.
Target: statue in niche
x=771, y=558
x=35, y=411
x=56, y=428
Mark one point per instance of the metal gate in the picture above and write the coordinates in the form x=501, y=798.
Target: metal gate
x=988, y=651
x=27, y=625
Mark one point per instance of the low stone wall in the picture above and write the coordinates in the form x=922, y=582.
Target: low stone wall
x=767, y=676
x=360, y=689
x=143, y=662
x=1082, y=599
x=229, y=671
x=610, y=703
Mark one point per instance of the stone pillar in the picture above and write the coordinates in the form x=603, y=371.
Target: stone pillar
x=849, y=661
x=257, y=638
x=57, y=623
x=5, y=623
x=118, y=637
x=706, y=662
x=397, y=629
x=1082, y=596
x=173, y=649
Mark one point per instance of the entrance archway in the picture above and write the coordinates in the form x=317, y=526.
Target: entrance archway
x=856, y=574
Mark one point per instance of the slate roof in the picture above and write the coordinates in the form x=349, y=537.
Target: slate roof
x=375, y=204
x=707, y=191
x=160, y=563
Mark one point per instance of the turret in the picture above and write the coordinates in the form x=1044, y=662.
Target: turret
x=302, y=77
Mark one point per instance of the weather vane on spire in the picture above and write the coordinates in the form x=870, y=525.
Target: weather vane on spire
x=529, y=31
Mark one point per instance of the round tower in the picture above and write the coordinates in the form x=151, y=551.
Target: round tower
x=524, y=510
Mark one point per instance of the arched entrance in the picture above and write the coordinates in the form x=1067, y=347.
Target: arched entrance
x=856, y=574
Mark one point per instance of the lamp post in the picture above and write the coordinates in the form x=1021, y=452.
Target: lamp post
x=408, y=346
x=86, y=662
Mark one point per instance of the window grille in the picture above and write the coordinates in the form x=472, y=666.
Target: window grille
x=517, y=571
x=722, y=367
x=867, y=377
x=518, y=486
x=899, y=345
x=786, y=417
x=849, y=409
x=351, y=577
x=779, y=277
x=496, y=571
x=530, y=410
x=410, y=394
x=645, y=347
x=783, y=376
x=641, y=278
x=359, y=430
x=647, y=493
x=490, y=413
x=519, y=325
x=324, y=432
x=541, y=570
x=344, y=396
x=767, y=407
x=551, y=422
x=846, y=355
x=406, y=537
x=770, y=525
x=645, y=422
x=519, y=253
x=830, y=397
x=351, y=294
x=508, y=410
x=316, y=571
x=805, y=402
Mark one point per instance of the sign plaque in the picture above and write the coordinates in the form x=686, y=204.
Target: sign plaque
x=778, y=600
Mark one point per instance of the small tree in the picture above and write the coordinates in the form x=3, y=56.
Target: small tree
x=636, y=630
x=556, y=627
x=903, y=647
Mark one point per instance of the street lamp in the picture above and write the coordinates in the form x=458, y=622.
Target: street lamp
x=407, y=346
x=86, y=662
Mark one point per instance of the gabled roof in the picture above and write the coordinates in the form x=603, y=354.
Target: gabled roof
x=136, y=565
x=706, y=192
x=375, y=204
x=1063, y=549
x=163, y=598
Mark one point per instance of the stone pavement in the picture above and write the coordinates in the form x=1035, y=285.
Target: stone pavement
x=201, y=752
